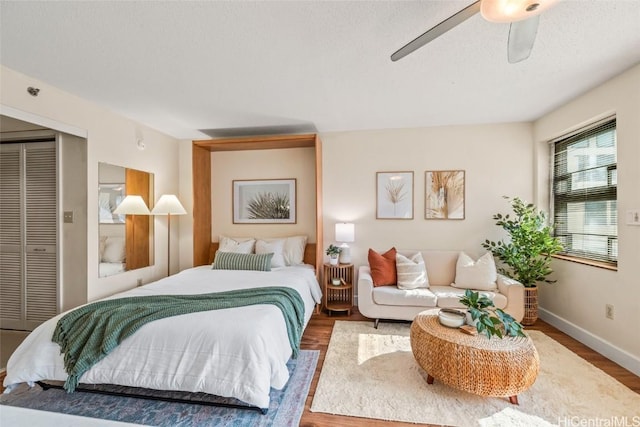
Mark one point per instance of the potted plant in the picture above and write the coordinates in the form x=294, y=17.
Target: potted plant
x=487, y=319
x=333, y=251
x=527, y=254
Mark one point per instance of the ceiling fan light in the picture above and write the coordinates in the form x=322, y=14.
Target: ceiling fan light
x=512, y=10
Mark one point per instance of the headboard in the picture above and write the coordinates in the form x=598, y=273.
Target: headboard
x=309, y=253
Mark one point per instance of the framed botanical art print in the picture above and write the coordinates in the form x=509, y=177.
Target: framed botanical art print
x=444, y=195
x=394, y=195
x=267, y=201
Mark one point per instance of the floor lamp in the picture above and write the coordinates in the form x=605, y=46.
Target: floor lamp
x=168, y=205
x=132, y=205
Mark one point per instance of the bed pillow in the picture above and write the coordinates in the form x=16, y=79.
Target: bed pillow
x=479, y=275
x=114, y=250
x=383, y=267
x=242, y=245
x=411, y=272
x=273, y=246
x=294, y=247
x=238, y=261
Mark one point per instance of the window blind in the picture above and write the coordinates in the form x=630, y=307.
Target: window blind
x=585, y=193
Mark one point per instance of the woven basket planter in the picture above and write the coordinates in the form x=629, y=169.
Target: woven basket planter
x=530, y=306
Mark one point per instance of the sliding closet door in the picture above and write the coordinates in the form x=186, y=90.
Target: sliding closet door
x=11, y=224
x=28, y=234
x=41, y=189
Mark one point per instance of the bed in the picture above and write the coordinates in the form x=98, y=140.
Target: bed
x=237, y=352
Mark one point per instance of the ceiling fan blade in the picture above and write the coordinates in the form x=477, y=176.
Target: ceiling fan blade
x=522, y=34
x=437, y=31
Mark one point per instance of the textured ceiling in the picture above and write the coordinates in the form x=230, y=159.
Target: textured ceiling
x=239, y=67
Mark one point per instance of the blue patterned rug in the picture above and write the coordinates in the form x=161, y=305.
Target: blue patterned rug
x=285, y=408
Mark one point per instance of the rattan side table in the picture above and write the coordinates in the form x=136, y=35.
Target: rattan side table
x=338, y=297
x=486, y=367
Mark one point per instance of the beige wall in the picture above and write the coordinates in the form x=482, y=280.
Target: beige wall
x=576, y=304
x=298, y=163
x=111, y=138
x=73, y=197
x=497, y=160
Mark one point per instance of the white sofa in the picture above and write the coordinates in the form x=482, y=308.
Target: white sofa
x=390, y=302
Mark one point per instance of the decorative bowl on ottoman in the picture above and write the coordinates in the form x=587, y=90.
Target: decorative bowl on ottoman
x=451, y=318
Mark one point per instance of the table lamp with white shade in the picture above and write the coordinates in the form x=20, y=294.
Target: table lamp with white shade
x=345, y=233
x=168, y=205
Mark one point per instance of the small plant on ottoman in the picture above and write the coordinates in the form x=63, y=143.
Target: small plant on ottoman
x=488, y=319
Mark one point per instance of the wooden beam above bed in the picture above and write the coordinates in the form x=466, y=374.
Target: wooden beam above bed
x=258, y=143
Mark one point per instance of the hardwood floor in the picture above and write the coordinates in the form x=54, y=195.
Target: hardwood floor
x=317, y=334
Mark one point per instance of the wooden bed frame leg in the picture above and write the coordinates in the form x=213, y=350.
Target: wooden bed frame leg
x=429, y=379
x=375, y=323
x=513, y=400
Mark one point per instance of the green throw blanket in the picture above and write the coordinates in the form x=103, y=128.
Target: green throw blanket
x=87, y=334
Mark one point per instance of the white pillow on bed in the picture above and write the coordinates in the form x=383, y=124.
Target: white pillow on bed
x=241, y=245
x=294, y=250
x=114, y=249
x=274, y=246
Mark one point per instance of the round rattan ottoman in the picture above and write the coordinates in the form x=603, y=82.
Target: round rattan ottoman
x=474, y=363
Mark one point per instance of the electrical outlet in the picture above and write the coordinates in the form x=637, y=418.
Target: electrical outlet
x=608, y=311
x=633, y=218
x=68, y=217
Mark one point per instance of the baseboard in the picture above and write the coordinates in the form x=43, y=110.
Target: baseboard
x=610, y=351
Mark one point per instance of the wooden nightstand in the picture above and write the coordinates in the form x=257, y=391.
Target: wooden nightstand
x=338, y=297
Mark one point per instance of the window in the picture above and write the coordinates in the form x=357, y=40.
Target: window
x=584, y=192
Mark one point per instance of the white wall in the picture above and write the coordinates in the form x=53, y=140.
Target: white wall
x=576, y=303
x=73, y=197
x=185, y=161
x=111, y=138
x=497, y=160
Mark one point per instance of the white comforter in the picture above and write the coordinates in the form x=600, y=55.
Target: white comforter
x=239, y=352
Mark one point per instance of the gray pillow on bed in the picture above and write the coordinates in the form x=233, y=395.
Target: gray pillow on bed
x=238, y=261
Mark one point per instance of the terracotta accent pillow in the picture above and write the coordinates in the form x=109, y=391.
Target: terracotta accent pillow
x=383, y=267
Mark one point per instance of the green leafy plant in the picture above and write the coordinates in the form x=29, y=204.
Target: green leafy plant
x=490, y=320
x=333, y=251
x=527, y=254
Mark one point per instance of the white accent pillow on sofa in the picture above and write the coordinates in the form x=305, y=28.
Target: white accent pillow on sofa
x=480, y=274
x=411, y=272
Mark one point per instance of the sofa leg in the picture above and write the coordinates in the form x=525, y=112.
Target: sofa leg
x=375, y=323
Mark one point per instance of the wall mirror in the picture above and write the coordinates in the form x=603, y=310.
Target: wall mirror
x=125, y=241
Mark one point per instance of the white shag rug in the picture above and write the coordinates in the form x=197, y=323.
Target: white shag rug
x=371, y=373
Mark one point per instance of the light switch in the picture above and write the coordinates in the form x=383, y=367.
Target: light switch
x=68, y=217
x=633, y=217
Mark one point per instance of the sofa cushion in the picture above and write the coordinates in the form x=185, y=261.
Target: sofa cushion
x=391, y=295
x=383, y=267
x=479, y=275
x=441, y=266
x=411, y=271
x=449, y=297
